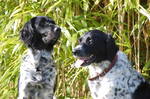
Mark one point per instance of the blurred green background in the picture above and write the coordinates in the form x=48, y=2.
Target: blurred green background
x=127, y=20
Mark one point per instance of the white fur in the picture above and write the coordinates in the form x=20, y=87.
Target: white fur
x=30, y=78
x=119, y=83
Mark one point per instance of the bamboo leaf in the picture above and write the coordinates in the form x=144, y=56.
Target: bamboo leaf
x=144, y=12
x=53, y=6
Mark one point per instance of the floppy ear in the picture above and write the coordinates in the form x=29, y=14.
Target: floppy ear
x=111, y=48
x=26, y=34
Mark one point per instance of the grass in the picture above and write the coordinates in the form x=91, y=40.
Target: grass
x=128, y=21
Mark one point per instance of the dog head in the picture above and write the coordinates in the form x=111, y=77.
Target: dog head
x=40, y=33
x=95, y=46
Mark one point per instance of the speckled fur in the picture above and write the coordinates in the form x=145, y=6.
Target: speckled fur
x=37, y=75
x=119, y=83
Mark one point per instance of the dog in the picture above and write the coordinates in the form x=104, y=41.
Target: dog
x=111, y=74
x=37, y=71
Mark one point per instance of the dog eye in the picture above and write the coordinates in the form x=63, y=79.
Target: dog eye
x=47, y=23
x=89, y=40
x=44, y=35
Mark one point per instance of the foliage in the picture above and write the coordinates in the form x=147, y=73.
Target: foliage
x=127, y=20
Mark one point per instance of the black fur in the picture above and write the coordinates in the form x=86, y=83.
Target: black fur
x=37, y=71
x=122, y=81
x=143, y=91
x=102, y=46
x=38, y=33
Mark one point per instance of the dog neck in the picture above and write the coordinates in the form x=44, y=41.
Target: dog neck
x=37, y=56
x=98, y=68
x=101, y=69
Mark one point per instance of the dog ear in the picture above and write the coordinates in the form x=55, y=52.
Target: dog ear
x=26, y=34
x=111, y=48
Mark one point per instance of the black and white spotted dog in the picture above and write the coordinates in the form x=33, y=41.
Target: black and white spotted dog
x=112, y=76
x=38, y=71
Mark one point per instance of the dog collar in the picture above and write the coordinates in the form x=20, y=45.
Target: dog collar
x=105, y=70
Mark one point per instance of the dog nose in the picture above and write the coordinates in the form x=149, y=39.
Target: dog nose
x=57, y=29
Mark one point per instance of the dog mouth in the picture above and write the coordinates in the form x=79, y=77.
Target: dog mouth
x=53, y=37
x=84, y=61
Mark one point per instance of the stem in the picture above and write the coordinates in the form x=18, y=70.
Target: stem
x=121, y=19
x=138, y=45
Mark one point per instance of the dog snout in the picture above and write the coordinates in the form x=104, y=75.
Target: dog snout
x=75, y=51
x=57, y=29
